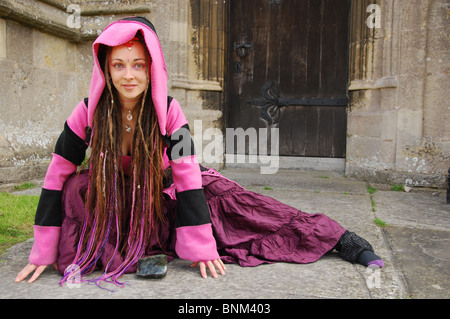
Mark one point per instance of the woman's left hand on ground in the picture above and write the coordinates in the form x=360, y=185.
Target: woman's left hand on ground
x=212, y=265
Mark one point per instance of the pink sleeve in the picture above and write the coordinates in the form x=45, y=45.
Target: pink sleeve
x=195, y=240
x=186, y=169
x=196, y=243
x=78, y=120
x=175, y=117
x=45, y=246
x=57, y=173
x=186, y=173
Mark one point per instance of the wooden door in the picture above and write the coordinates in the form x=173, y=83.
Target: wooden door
x=287, y=68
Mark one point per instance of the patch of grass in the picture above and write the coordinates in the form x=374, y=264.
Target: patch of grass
x=372, y=202
x=379, y=222
x=268, y=188
x=323, y=177
x=397, y=188
x=24, y=186
x=16, y=219
x=371, y=190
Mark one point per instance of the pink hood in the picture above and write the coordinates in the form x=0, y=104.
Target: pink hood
x=120, y=32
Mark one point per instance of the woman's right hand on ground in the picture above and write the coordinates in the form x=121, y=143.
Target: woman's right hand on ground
x=29, y=269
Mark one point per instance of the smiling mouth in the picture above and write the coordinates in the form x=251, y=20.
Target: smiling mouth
x=128, y=87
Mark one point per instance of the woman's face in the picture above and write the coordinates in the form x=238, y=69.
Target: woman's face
x=128, y=70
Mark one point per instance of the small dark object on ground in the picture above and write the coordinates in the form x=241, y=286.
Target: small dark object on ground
x=152, y=267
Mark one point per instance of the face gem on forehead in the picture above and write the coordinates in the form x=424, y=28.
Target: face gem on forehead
x=130, y=43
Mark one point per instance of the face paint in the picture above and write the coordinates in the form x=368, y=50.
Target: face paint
x=128, y=70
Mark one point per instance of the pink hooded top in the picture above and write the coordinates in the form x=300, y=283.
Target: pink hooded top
x=195, y=240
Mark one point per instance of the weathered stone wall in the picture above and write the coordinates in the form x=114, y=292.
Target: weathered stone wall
x=398, y=119
x=398, y=79
x=42, y=78
x=46, y=65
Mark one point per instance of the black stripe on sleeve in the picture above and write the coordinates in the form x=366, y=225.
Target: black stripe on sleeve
x=192, y=209
x=48, y=212
x=181, y=144
x=71, y=146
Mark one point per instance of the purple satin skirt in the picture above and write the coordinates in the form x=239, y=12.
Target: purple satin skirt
x=249, y=228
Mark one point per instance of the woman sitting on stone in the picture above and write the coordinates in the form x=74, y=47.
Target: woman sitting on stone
x=145, y=193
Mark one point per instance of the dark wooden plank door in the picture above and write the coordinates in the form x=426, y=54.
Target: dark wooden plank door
x=288, y=66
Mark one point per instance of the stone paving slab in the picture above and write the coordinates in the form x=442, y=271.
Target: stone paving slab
x=414, y=247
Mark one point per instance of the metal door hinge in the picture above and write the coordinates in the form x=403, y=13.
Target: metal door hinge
x=272, y=102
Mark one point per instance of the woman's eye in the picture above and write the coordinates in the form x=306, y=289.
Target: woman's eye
x=139, y=66
x=118, y=66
